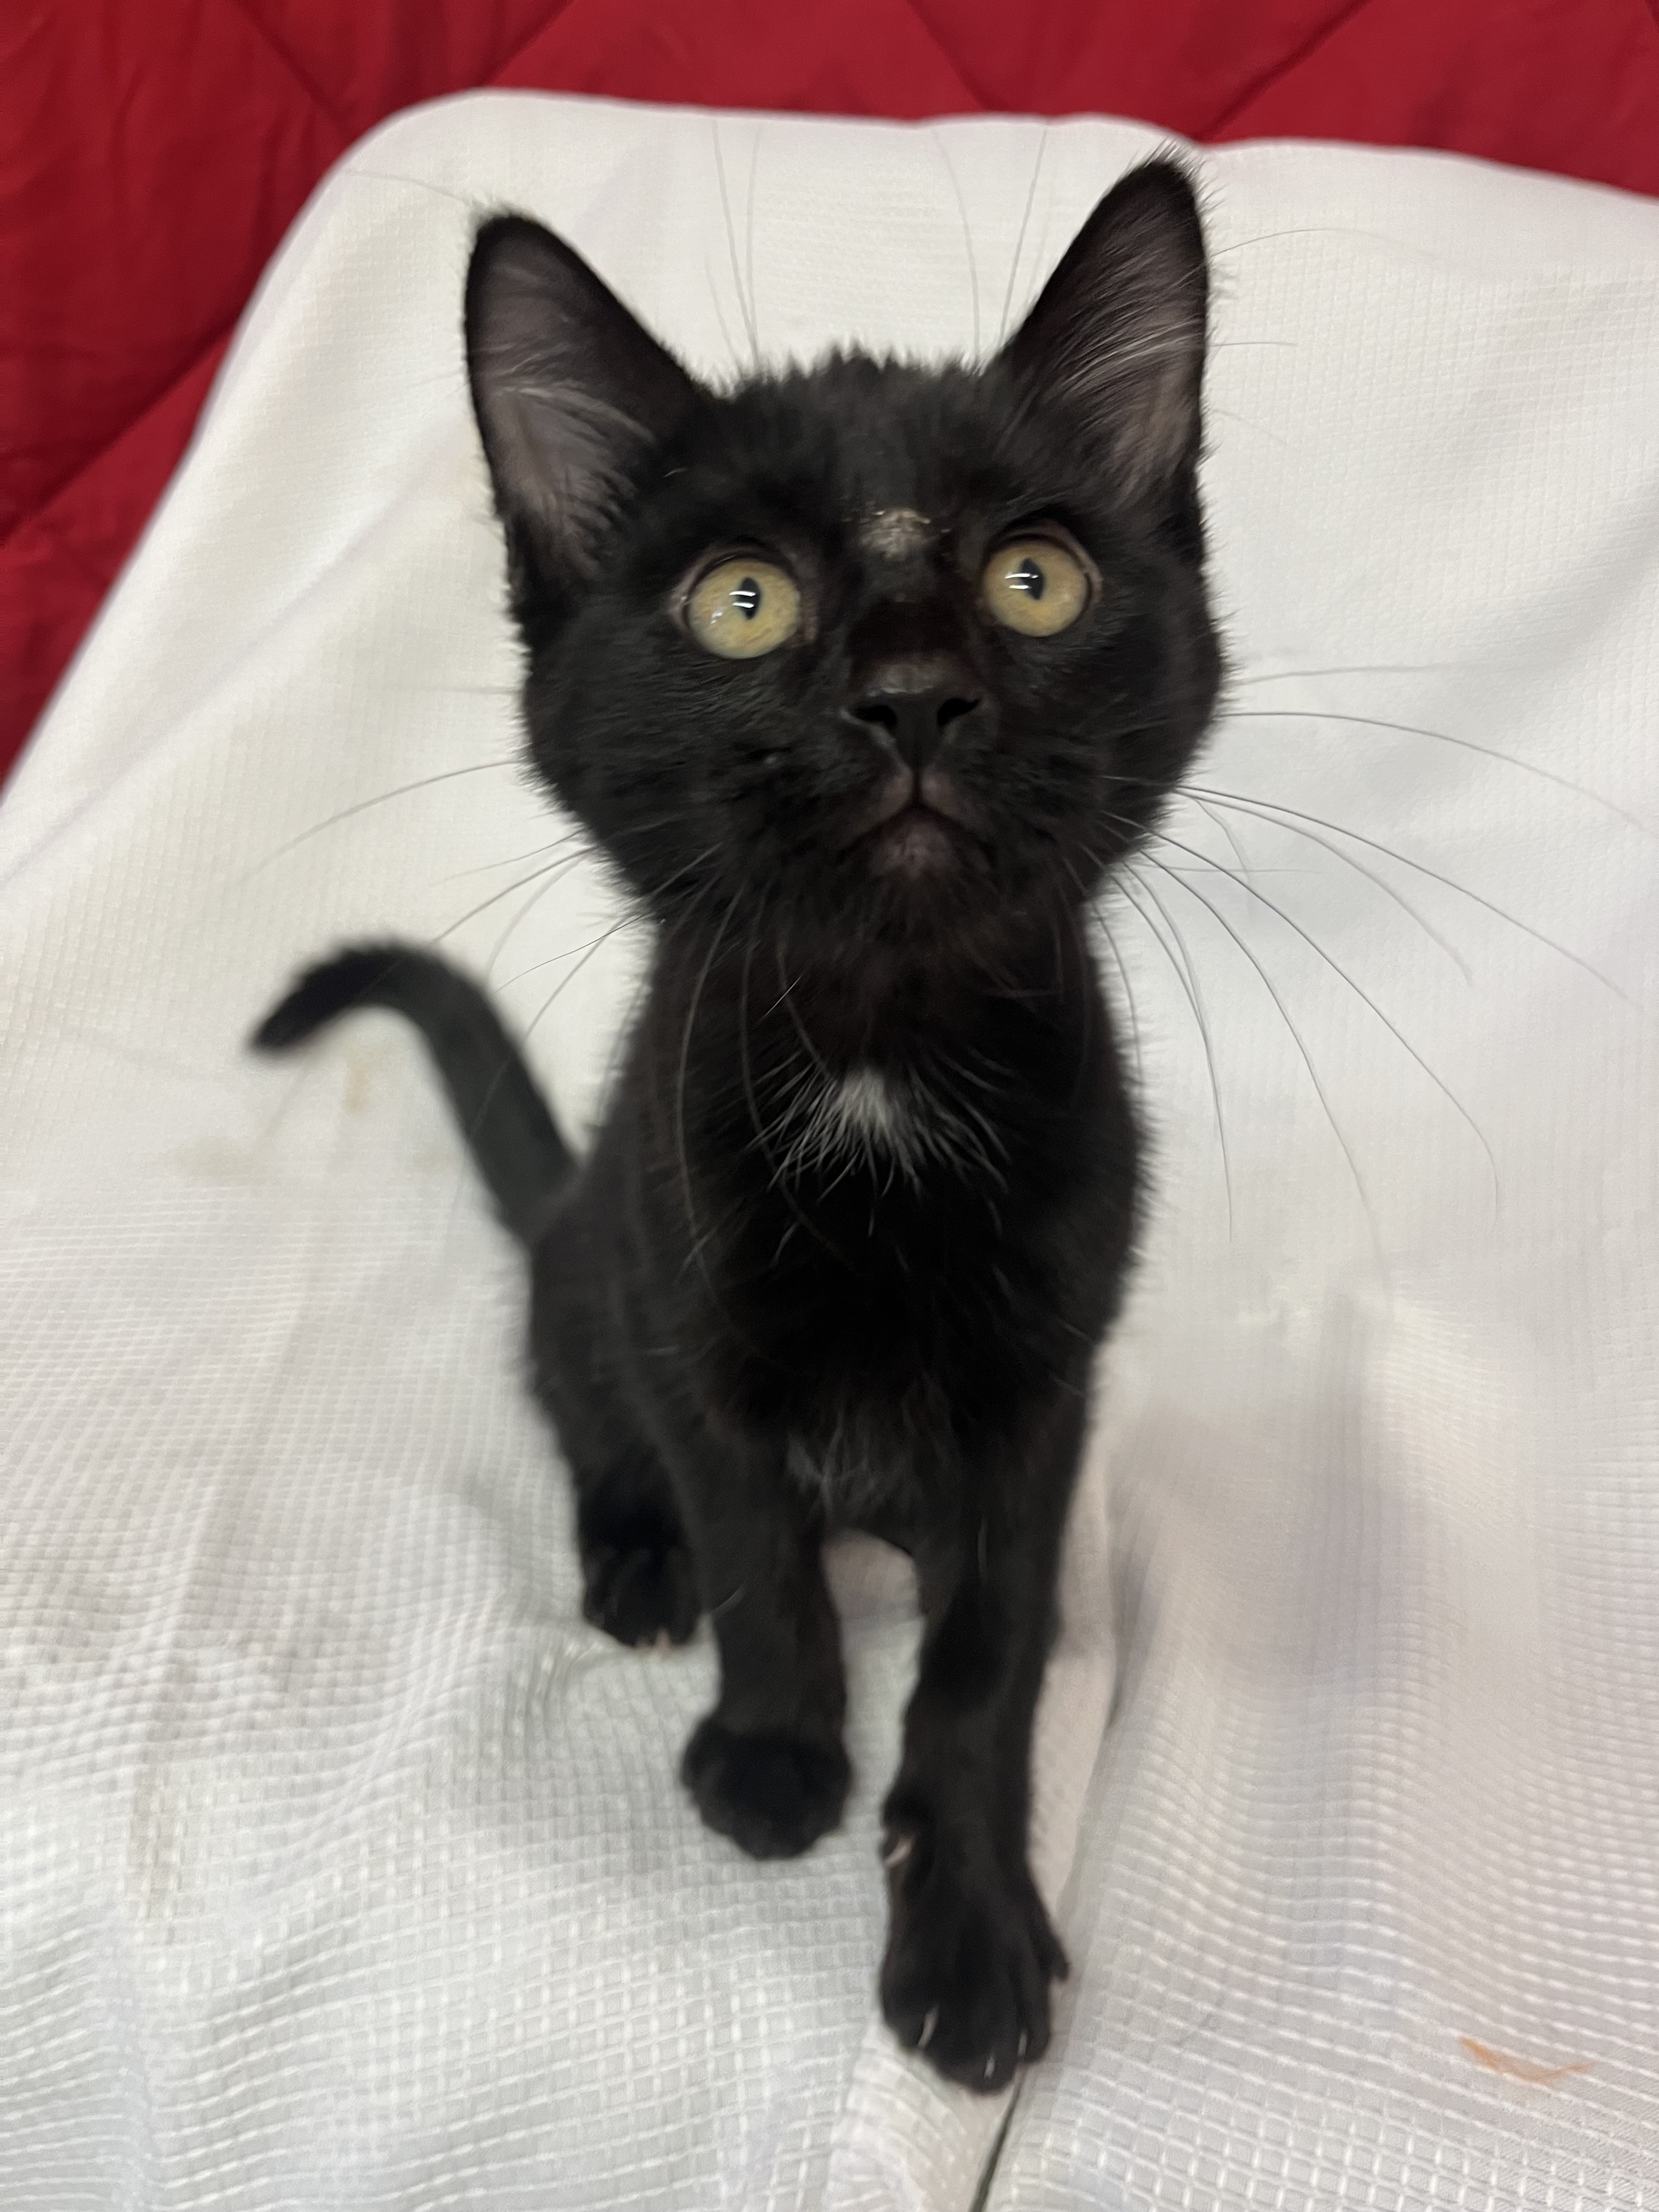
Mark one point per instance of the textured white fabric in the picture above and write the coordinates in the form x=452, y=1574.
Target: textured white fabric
x=340, y=1864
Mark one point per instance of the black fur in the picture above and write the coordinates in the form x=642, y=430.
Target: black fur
x=861, y=1206
x=523, y=1156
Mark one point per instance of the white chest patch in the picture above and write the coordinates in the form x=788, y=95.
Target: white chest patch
x=871, y=1109
x=895, y=1124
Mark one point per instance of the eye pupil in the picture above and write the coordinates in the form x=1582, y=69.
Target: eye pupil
x=1029, y=578
x=746, y=598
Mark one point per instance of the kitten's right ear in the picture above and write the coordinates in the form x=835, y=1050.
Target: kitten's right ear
x=1119, y=330
x=569, y=390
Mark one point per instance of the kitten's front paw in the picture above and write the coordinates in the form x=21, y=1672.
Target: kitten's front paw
x=773, y=1794
x=640, y=1593
x=969, y=1958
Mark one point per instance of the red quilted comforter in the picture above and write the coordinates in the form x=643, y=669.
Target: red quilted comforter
x=154, y=151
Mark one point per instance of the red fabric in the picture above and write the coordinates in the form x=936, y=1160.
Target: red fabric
x=152, y=155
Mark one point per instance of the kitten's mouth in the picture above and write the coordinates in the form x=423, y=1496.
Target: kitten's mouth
x=917, y=841
x=918, y=825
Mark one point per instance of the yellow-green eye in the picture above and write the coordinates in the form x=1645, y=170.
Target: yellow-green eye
x=1035, y=586
x=743, y=609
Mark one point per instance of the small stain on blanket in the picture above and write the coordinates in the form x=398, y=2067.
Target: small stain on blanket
x=1517, y=2069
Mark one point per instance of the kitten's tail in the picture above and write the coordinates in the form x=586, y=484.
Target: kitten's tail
x=502, y=1115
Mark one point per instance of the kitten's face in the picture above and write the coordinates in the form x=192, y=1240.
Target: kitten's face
x=890, y=658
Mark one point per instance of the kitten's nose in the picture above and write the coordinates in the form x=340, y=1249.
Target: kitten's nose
x=910, y=704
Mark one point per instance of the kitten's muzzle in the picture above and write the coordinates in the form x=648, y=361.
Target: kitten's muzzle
x=906, y=709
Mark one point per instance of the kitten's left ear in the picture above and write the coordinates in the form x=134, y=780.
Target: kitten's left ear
x=570, y=392
x=1119, y=330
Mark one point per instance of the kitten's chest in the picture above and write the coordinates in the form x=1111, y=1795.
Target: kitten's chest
x=889, y=1253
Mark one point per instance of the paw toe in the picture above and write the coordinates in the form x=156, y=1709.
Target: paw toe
x=642, y=1595
x=966, y=1979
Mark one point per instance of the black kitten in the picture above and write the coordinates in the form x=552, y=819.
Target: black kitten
x=865, y=678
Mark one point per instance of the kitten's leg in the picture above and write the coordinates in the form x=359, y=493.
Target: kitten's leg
x=638, y=1583
x=766, y=1766
x=970, y=1954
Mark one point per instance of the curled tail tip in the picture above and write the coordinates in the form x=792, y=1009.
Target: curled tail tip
x=352, y=978
x=501, y=1115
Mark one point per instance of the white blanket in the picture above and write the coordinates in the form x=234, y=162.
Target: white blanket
x=340, y=1864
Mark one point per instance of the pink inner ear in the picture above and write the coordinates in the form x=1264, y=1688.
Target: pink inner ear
x=1119, y=328
x=567, y=388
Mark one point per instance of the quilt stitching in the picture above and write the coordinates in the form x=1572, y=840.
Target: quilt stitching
x=91, y=458
x=66, y=540
x=1241, y=101
x=295, y=69
x=506, y=60
x=940, y=44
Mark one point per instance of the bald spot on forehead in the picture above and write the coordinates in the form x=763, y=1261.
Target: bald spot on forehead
x=893, y=533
